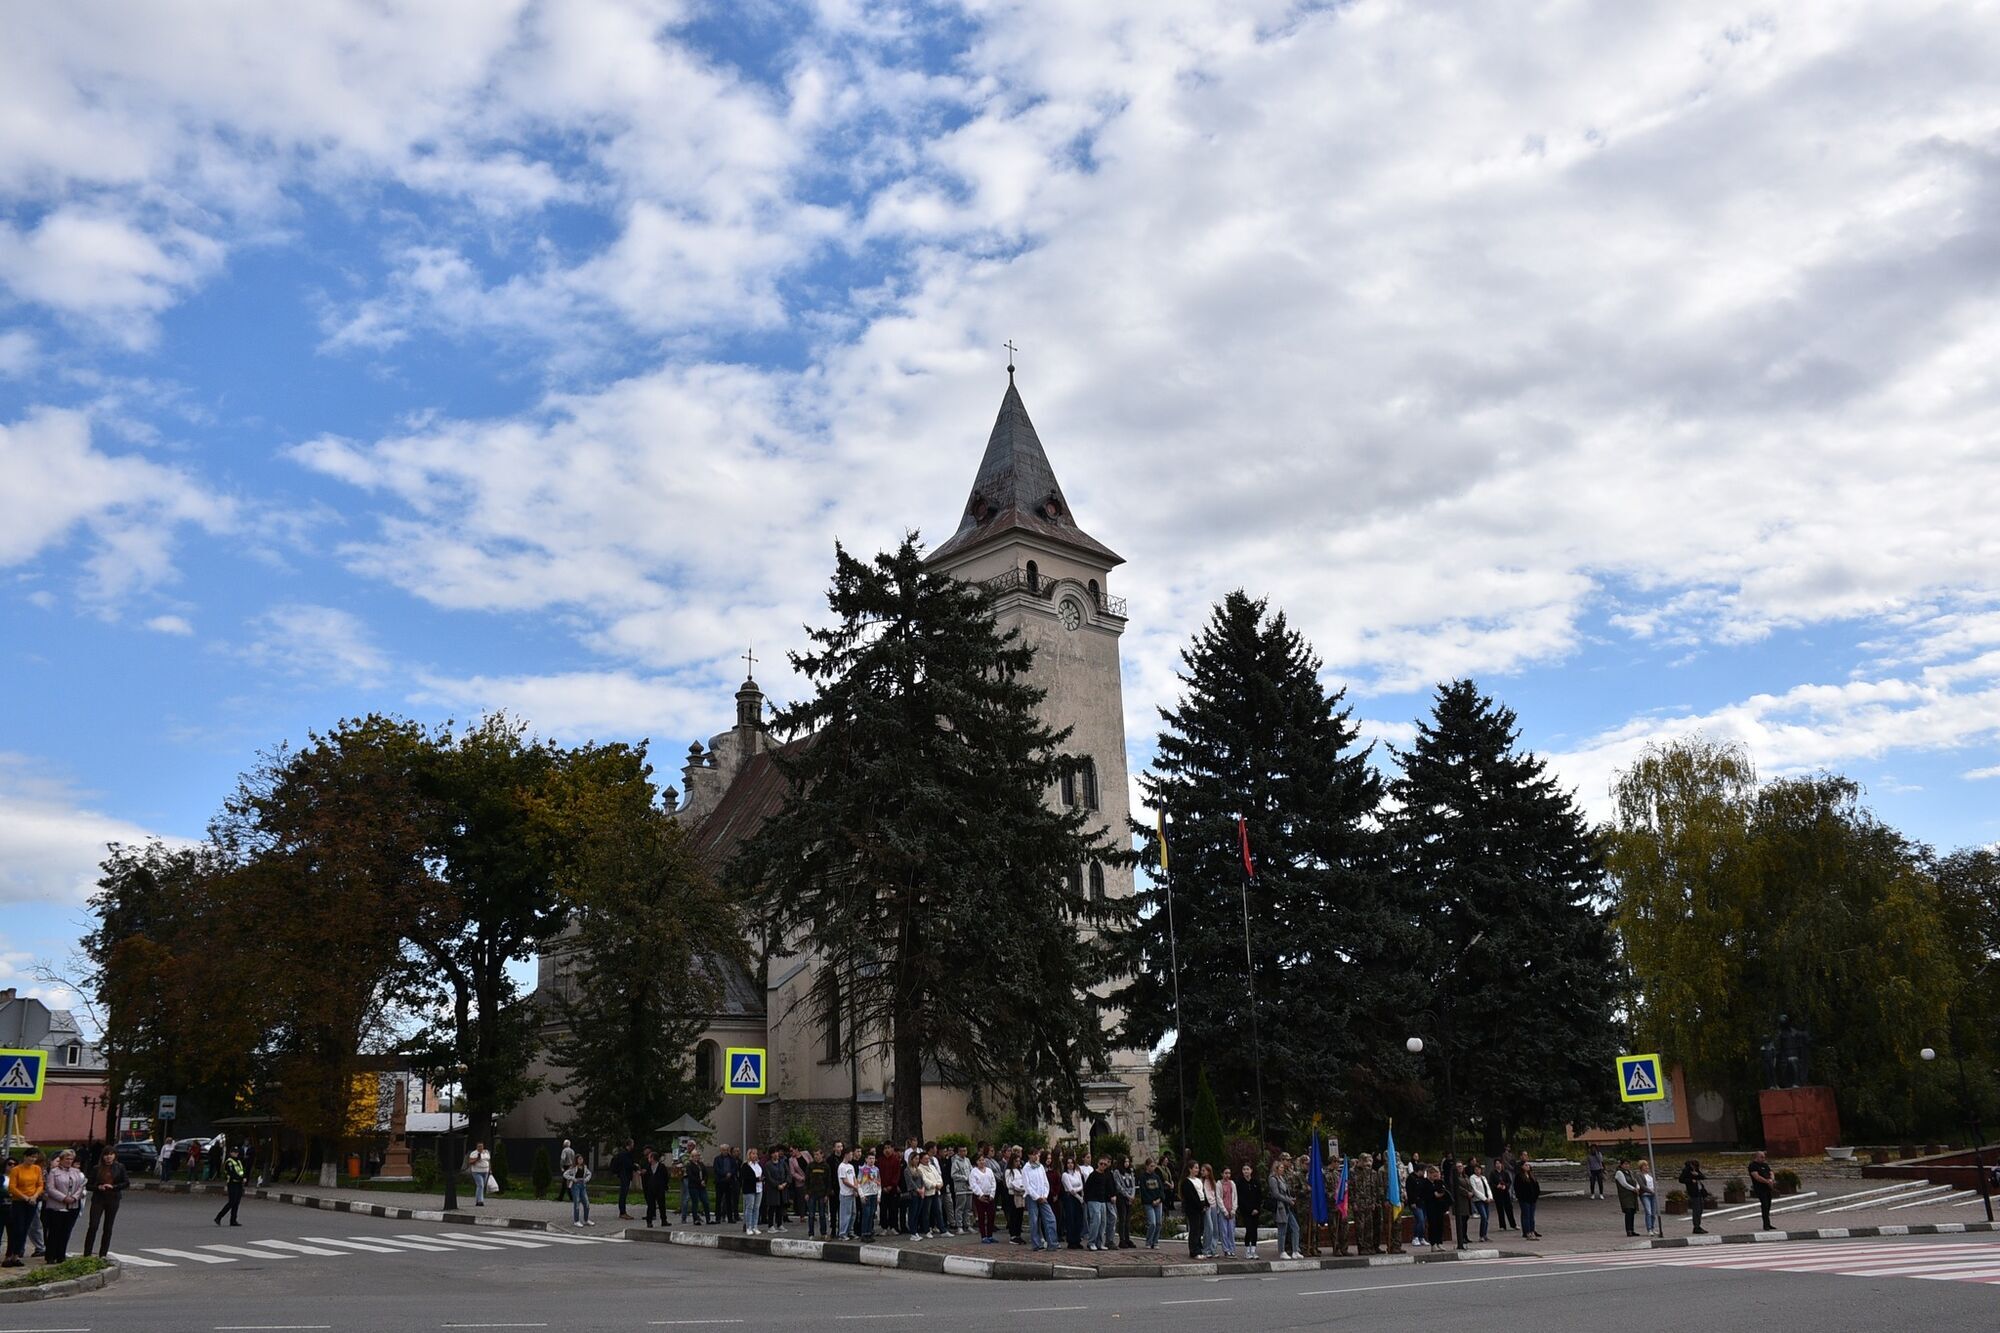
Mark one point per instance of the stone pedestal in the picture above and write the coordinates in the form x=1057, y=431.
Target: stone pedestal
x=1799, y=1122
x=396, y=1162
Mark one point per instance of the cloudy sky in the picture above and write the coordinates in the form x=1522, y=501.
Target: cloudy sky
x=1642, y=361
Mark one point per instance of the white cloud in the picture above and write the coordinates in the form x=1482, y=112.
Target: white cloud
x=57, y=481
x=175, y=625
x=18, y=353
x=51, y=839
x=587, y=705
x=1981, y=774
x=104, y=270
x=323, y=643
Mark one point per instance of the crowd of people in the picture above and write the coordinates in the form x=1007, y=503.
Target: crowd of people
x=44, y=1203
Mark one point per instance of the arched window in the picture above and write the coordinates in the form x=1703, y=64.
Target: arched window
x=1068, y=786
x=1096, y=882
x=705, y=1076
x=1076, y=880
x=1096, y=595
x=1090, y=784
x=1034, y=577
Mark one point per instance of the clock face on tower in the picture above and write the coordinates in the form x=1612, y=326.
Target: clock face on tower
x=1071, y=612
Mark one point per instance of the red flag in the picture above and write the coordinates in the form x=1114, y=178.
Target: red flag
x=1243, y=836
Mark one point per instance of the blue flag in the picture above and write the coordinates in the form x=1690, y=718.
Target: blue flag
x=1316, y=1181
x=1395, y=1173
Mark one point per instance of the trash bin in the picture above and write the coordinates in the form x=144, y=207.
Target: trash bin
x=354, y=1166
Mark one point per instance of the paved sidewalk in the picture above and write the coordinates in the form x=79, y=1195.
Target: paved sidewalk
x=515, y=1211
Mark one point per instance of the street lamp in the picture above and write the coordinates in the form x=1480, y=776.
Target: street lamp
x=1971, y=1108
x=1439, y=1016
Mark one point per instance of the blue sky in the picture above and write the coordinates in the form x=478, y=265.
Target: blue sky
x=1636, y=360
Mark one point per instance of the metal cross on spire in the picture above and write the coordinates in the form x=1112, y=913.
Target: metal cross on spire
x=1011, y=349
x=750, y=660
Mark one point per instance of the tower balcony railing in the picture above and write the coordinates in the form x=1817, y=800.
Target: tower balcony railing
x=1018, y=580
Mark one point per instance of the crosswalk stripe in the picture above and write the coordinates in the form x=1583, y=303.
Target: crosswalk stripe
x=302, y=1249
x=174, y=1254
x=408, y=1244
x=518, y=1242
x=245, y=1252
x=564, y=1238
x=351, y=1244
x=454, y=1240
x=1935, y=1262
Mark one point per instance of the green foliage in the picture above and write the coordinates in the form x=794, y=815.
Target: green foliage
x=915, y=817
x=1735, y=1190
x=1496, y=867
x=498, y=1183
x=1012, y=1129
x=80, y=1266
x=1739, y=902
x=946, y=1141
x=542, y=1172
x=1205, y=1126
x=643, y=971
x=1786, y=1180
x=1113, y=1146
x=800, y=1135
x=1256, y=734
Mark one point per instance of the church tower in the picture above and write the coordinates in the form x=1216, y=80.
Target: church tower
x=1052, y=584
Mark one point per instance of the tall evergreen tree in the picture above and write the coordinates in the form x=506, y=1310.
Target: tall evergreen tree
x=1497, y=867
x=1257, y=735
x=918, y=848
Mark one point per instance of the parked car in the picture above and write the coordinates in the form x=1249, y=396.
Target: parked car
x=139, y=1155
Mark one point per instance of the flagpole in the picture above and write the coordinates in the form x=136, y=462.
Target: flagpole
x=1250, y=976
x=1174, y=965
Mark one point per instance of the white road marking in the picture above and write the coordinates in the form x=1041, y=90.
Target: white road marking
x=453, y=1241
x=351, y=1244
x=520, y=1242
x=190, y=1254
x=245, y=1252
x=1202, y=1300
x=302, y=1249
x=137, y=1262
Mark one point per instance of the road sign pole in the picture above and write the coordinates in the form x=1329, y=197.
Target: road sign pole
x=1659, y=1217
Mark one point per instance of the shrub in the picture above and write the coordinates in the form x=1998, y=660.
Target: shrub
x=1113, y=1146
x=1734, y=1191
x=1677, y=1201
x=498, y=1152
x=1205, y=1128
x=1013, y=1130
x=543, y=1172
x=800, y=1136
x=946, y=1142
x=1787, y=1180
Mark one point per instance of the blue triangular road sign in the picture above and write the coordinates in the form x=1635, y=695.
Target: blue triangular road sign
x=18, y=1076
x=1639, y=1078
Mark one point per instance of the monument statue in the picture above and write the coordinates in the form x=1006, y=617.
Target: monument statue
x=1788, y=1056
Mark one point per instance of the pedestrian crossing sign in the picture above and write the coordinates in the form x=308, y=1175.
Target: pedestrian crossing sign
x=746, y=1070
x=1639, y=1078
x=21, y=1075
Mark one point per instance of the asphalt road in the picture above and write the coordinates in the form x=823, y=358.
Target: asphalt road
x=368, y=1276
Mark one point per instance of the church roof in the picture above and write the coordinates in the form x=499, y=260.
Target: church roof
x=756, y=793
x=1016, y=490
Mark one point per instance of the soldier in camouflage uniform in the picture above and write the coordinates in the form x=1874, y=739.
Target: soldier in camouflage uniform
x=1364, y=1191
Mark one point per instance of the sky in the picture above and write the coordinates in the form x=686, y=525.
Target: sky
x=1640, y=361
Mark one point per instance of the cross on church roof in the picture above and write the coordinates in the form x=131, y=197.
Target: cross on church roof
x=1011, y=349
x=750, y=658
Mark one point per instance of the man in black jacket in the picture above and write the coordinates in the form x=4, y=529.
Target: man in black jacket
x=624, y=1164
x=108, y=1183
x=726, y=1167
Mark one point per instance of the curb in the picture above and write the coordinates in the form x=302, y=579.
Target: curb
x=48, y=1291
x=1022, y=1270
x=1823, y=1233
x=351, y=1206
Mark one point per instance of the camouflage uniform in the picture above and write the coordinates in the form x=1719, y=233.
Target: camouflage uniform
x=1364, y=1193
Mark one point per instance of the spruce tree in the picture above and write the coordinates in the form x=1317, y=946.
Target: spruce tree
x=918, y=852
x=1255, y=733
x=1503, y=880
x=1205, y=1137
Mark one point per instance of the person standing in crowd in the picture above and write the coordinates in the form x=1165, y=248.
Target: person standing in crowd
x=1628, y=1195
x=1458, y=1184
x=479, y=1164
x=1097, y=1195
x=1042, y=1216
x=577, y=1178
x=1152, y=1185
x=624, y=1165
x=61, y=1201
x=233, y=1180
x=1278, y=1186
x=1762, y=1184
x=168, y=1149
x=846, y=1186
x=564, y=1161
x=1649, y=1198
x=108, y=1183
x=1194, y=1208
x=750, y=1175
x=1437, y=1206
x=1249, y=1205
x=1416, y=1198
x=868, y=1195
x=652, y=1186
x=1013, y=1196
x=1503, y=1194
x=1227, y=1199
x=1072, y=1202
x=1365, y=1193
x=726, y=1170
x=958, y=1191
x=771, y=1196
x=819, y=1196
x=1124, y=1190
x=1480, y=1193
x=25, y=1187
x=1694, y=1181
x=1528, y=1188
x=890, y=1163
x=694, y=1190
x=1593, y=1162
x=983, y=1187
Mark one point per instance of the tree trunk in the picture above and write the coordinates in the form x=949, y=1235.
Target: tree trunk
x=908, y=1119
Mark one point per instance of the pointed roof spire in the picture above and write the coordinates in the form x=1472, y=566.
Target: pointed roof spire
x=1016, y=489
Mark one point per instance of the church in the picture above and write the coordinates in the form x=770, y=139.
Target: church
x=1051, y=582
